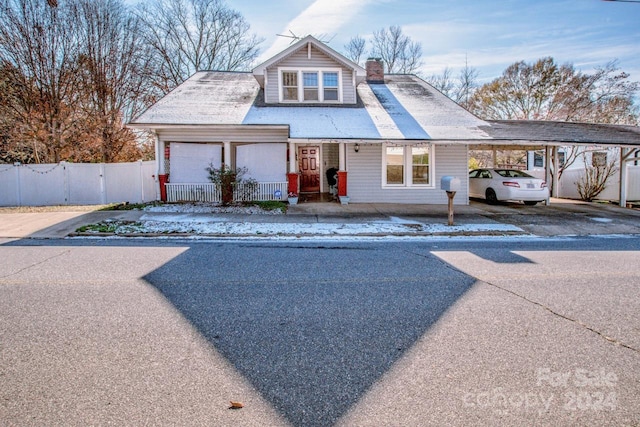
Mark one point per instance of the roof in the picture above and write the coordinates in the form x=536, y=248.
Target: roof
x=404, y=107
x=562, y=133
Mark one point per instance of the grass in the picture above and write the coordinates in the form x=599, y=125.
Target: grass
x=101, y=227
x=112, y=227
x=271, y=205
x=126, y=206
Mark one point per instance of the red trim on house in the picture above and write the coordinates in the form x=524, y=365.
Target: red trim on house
x=163, y=179
x=342, y=183
x=293, y=183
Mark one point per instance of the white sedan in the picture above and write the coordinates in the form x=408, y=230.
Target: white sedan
x=507, y=184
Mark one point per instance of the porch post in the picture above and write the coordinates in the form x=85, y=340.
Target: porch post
x=342, y=174
x=293, y=167
x=162, y=154
x=556, y=172
x=292, y=176
x=227, y=153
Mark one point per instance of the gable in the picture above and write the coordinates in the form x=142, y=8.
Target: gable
x=310, y=58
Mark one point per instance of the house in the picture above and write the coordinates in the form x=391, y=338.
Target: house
x=308, y=110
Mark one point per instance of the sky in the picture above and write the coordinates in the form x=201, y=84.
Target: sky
x=490, y=35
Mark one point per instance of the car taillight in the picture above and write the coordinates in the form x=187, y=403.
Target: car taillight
x=543, y=185
x=511, y=184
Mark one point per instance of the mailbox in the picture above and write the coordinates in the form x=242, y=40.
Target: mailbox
x=450, y=183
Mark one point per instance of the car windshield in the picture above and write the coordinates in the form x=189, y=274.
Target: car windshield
x=510, y=173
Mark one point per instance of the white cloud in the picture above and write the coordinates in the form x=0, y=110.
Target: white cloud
x=321, y=18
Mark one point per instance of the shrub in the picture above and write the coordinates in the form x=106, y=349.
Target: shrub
x=229, y=180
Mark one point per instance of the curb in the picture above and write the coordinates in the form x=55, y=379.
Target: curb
x=300, y=236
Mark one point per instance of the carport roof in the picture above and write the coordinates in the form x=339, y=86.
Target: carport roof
x=532, y=132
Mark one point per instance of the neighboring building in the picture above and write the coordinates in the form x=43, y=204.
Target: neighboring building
x=310, y=109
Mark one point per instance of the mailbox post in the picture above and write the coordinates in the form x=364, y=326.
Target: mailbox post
x=450, y=184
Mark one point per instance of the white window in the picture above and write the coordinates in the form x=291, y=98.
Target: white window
x=310, y=85
x=330, y=84
x=407, y=166
x=289, y=86
x=310, y=81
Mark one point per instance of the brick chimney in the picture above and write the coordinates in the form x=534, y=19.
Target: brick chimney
x=375, y=70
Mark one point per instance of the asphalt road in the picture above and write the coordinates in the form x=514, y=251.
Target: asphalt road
x=436, y=332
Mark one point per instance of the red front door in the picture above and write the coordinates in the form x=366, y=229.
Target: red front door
x=308, y=159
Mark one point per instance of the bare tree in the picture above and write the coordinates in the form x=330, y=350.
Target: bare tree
x=545, y=91
x=39, y=46
x=594, y=180
x=398, y=52
x=354, y=50
x=443, y=82
x=114, y=63
x=461, y=89
x=193, y=35
x=467, y=84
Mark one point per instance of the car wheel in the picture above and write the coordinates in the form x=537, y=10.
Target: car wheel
x=491, y=197
x=530, y=202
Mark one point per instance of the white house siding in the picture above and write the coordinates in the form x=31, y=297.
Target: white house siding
x=365, y=177
x=300, y=60
x=264, y=162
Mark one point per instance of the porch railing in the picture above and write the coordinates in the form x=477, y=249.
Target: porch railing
x=211, y=193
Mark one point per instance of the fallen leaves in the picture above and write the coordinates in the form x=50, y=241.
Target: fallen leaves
x=236, y=405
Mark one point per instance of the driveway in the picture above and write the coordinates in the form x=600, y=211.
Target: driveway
x=564, y=217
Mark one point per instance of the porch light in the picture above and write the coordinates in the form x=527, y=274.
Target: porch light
x=356, y=147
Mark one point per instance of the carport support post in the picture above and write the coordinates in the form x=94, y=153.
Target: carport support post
x=623, y=176
x=625, y=158
x=556, y=173
x=450, y=195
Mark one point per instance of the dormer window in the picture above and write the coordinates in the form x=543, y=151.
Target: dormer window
x=330, y=83
x=310, y=82
x=289, y=86
x=310, y=85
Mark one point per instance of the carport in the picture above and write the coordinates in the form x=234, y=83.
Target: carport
x=549, y=136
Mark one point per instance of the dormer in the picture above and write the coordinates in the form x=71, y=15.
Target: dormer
x=309, y=73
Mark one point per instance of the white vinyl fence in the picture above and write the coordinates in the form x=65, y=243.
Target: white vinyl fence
x=569, y=188
x=77, y=183
x=211, y=193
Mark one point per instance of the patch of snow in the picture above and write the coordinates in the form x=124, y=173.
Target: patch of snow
x=605, y=220
x=212, y=226
x=398, y=220
x=211, y=208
